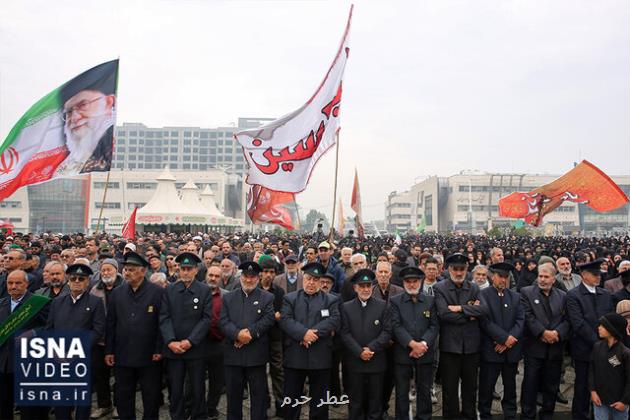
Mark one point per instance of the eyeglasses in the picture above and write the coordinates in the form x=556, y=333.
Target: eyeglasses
x=77, y=279
x=80, y=107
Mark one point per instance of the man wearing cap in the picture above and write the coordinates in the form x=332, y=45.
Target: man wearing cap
x=78, y=310
x=247, y=315
x=365, y=333
x=546, y=331
x=624, y=293
x=459, y=310
x=185, y=317
x=325, y=258
x=309, y=317
x=415, y=329
x=133, y=341
x=291, y=279
x=586, y=303
x=501, y=347
x=106, y=280
x=400, y=263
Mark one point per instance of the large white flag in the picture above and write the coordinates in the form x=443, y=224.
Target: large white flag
x=282, y=154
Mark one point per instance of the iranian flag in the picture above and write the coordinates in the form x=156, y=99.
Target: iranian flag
x=68, y=132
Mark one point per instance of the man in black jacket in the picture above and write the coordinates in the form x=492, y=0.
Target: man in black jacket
x=185, y=317
x=308, y=319
x=133, y=341
x=247, y=314
x=546, y=332
x=415, y=328
x=77, y=311
x=365, y=333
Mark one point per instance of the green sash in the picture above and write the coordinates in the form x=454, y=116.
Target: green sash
x=21, y=316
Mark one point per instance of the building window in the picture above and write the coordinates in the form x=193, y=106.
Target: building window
x=101, y=185
x=107, y=205
x=141, y=185
x=132, y=206
x=174, y=134
x=186, y=165
x=203, y=135
x=187, y=134
x=15, y=219
x=428, y=210
x=10, y=204
x=133, y=133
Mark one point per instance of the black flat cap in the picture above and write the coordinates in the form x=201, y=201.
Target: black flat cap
x=187, y=259
x=314, y=269
x=456, y=259
x=411, y=273
x=79, y=270
x=502, y=268
x=592, y=267
x=133, y=258
x=250, y=268
x=364, y=275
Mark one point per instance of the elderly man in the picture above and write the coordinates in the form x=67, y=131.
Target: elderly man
x=345, y=263
x=585, y=305
x=616, y=284
x=107, y=279
x=291, y=279
x=229, y=276
x=546, y=331
x=57, y=285
x=13, y=260
x=309, y=318
x=78, y=310
x=565, y=277
x=480, y=276
x=459, y=310
x=133, y=341
x=185, y=315
x=502, y=332
x=497, y=256
x=247, y=315
x=365, y=333
x=18, y=294
x=415, y=328
x=358, y=262
x=89, y=116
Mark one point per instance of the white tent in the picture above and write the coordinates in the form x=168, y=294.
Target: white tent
x=190, y=198
x=209, y=204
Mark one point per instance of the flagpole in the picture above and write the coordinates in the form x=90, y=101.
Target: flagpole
x=100, y=214
x=332, y=224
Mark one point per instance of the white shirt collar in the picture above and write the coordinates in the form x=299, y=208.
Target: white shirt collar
x=591, y=289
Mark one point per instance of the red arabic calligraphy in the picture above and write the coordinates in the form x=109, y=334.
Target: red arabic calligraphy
x=8, y=160
x=304, y=149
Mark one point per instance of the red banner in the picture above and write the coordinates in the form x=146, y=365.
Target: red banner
x=129, y=228
x=267, y=206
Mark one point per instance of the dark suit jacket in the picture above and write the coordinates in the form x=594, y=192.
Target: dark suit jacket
x=417, y=322
x=88, y=313
x=459, y=331
x=537, y=321
x=365, y=327
x=133, y=324
x=281, y=281
x=300, y=313
x=7, y=348
x=186, y=313
x=505, y=317
x=585, y=309
x=254, y=312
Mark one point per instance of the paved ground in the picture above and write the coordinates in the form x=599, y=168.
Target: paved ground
x=562, y=410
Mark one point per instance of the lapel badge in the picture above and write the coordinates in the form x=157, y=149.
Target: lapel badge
x=196, y=300
x=427, y=314
x=505, y=304
x=536, y=301
x=259, y=311
x=87, y=309
x=150, y=308
x=376, y=322
x=255, y=302
x=195, y=307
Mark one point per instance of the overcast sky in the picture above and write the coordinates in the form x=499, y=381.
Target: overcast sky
x=431, y=87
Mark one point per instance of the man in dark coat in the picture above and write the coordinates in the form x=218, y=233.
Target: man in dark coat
x=459, y=310
x=133, y=344
x=185, y=317
x=365, y=333
x=17, y=289
x=309, y=317
x=501, y=346
x=415, y=328
x=78, y=310
x=246, y=316
x=546, y=331
x=585, y=305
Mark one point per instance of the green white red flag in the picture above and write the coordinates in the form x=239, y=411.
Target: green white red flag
x=68, y=132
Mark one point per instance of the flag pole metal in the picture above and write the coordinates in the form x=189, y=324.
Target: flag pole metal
x=334, y=209
x=100, y=213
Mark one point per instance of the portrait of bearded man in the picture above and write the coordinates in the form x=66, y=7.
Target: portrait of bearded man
x=89, y=116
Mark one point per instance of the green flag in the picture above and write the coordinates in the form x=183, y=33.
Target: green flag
x=21, y=316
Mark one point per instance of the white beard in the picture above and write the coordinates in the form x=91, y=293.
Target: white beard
x=81, y=148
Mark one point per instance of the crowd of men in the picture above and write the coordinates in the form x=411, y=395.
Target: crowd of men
x=326, y=322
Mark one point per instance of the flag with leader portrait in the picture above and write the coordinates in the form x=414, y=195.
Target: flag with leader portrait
x=281, y=154
x=68, y=132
